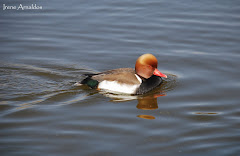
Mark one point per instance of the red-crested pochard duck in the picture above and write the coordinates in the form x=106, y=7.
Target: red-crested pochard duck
x=140, y=80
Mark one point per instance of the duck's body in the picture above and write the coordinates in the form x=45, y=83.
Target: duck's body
x=140, y=80
x=122, y=80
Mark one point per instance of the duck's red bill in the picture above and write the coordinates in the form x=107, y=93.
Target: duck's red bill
x=158, y=73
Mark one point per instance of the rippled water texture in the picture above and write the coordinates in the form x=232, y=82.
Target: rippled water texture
x=196, y=111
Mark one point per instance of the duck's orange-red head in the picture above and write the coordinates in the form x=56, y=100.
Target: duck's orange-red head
x=146, y=66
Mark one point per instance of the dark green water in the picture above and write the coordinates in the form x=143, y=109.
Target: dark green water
x=44, y=52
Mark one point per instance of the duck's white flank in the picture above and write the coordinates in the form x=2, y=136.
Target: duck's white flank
x=114, y=86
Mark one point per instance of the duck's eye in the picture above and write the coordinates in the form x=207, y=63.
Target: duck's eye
x=149, y=66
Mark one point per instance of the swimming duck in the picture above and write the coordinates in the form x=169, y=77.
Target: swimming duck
x=144, y=78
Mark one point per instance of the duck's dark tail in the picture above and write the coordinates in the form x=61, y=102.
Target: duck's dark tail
x=89, y=81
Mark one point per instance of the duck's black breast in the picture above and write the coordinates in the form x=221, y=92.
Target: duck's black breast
x=149, y=84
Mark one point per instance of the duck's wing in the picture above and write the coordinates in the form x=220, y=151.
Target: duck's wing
x=121, y=75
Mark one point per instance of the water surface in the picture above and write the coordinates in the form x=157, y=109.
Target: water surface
x=44, y=52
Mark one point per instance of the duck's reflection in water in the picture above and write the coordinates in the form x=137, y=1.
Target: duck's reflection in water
x=149, y=102
x=145, y=102
x=149, y=117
